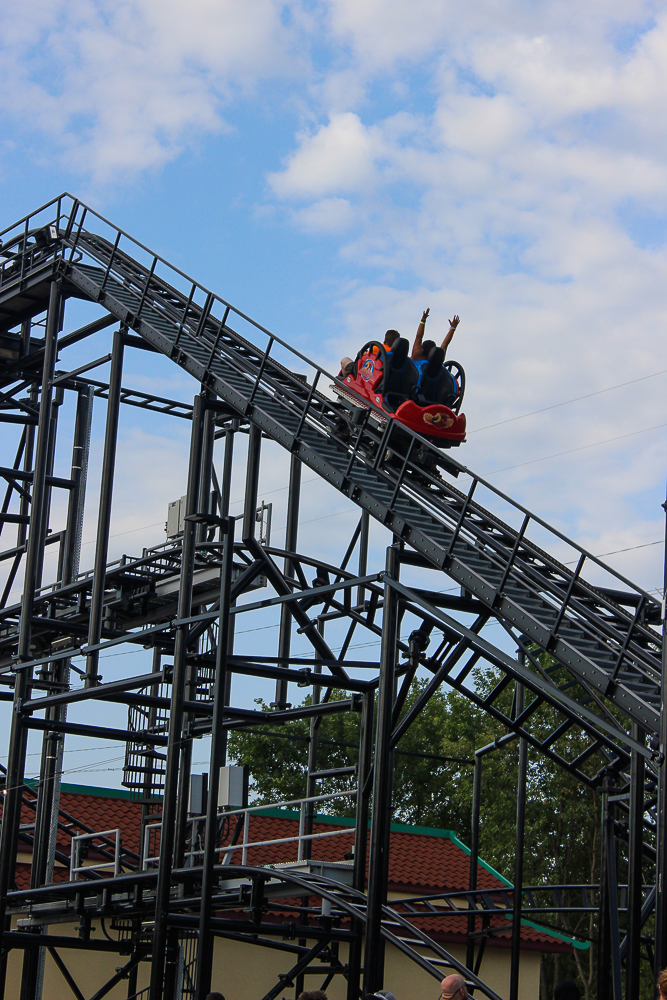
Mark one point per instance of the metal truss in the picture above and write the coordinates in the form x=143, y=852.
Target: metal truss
x=181, y=599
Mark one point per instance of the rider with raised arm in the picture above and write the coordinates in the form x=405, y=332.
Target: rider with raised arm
x=422, y=348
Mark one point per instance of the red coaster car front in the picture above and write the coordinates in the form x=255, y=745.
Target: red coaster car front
x=391, y=381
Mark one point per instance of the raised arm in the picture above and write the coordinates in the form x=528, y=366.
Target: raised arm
x=453, y=323
x=416, y=347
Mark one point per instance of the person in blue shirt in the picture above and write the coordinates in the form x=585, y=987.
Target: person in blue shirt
x=422, y=348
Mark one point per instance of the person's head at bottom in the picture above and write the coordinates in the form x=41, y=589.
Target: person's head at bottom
x=454, y=986
x=662, y=985
x=312, y=995
x=567, y=989
x=214, y=996
x=380, y=995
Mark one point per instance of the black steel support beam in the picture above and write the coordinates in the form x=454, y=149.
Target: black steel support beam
x=378, y=867
x=80, y=453
x=203, y=506
x=361, y=836
x=291, y=530
x=94, y=732
x=474, y=853
x=121, y=973
x=522, y=777
x=24, y=939
x=251, y=483
x=205, y=938
x=225, y=500
x=289, y=977
x=28, y=454
x=363, y=553
x=660, y=952
x=66, y=974
x=308, y=808
x=33, y=960
x=35, y=554
x=635, y=874
x=48, y=797
x=608, y=954
x=86, y=694
x=96, y=615
x=169, y=848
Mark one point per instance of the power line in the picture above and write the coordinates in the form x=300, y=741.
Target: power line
x=582, y=447
x=130, y=532
x=630, y=548
x=567, y=402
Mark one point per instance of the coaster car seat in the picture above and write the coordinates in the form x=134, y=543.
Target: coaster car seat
x=401, y=375
x=437, y=384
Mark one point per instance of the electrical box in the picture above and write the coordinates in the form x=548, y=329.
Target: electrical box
x=175, y=518
x=263, y=517
x=198, y=793
x=233, y=787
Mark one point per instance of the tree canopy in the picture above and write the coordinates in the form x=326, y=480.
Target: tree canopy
x=432, y=786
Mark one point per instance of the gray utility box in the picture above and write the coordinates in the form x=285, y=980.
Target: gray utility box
x=232, y=790
x=233, y=787
x=198, y=793
x=175, y=518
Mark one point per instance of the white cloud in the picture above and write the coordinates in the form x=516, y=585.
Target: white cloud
x=329, y=215
x=476, y=159
x=124, y=86
x=382, y=32
x=339, y=156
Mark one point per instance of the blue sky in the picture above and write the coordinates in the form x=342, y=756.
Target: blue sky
x=335, y=167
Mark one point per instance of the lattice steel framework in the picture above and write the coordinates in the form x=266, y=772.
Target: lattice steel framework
x=181, y=600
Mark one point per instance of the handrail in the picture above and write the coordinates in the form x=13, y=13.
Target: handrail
x=323, y=371
x=245, y=845
x=294, y=351
x=509, y=553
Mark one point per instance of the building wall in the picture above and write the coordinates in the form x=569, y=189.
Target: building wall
x=408, y=982
x=245, y=972
x=89, y=969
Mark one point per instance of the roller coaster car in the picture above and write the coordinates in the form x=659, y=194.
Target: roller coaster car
x=389, y=380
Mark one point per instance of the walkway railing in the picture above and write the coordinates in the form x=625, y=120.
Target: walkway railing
x=226, y=852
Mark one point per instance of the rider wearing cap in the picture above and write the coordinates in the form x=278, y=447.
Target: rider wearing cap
x=390, y=338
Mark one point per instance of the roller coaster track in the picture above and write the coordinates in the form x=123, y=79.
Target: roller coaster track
x=607, y=635
x=603, y=634
x=278, y=889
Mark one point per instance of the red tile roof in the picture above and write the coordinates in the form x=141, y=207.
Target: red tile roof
x=421, y=861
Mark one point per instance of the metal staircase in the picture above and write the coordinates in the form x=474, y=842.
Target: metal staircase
x=607, y=636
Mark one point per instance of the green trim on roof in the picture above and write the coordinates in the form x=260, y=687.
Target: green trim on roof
x=488, y=868
x=107, y=793
x=582, y=945
x=428, y=831
x=424, y=831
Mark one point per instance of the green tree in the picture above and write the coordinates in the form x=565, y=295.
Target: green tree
x=433, y=777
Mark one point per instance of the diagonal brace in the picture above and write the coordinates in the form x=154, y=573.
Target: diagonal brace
x=66, y=974
x=587, y=719
x=287, y=978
